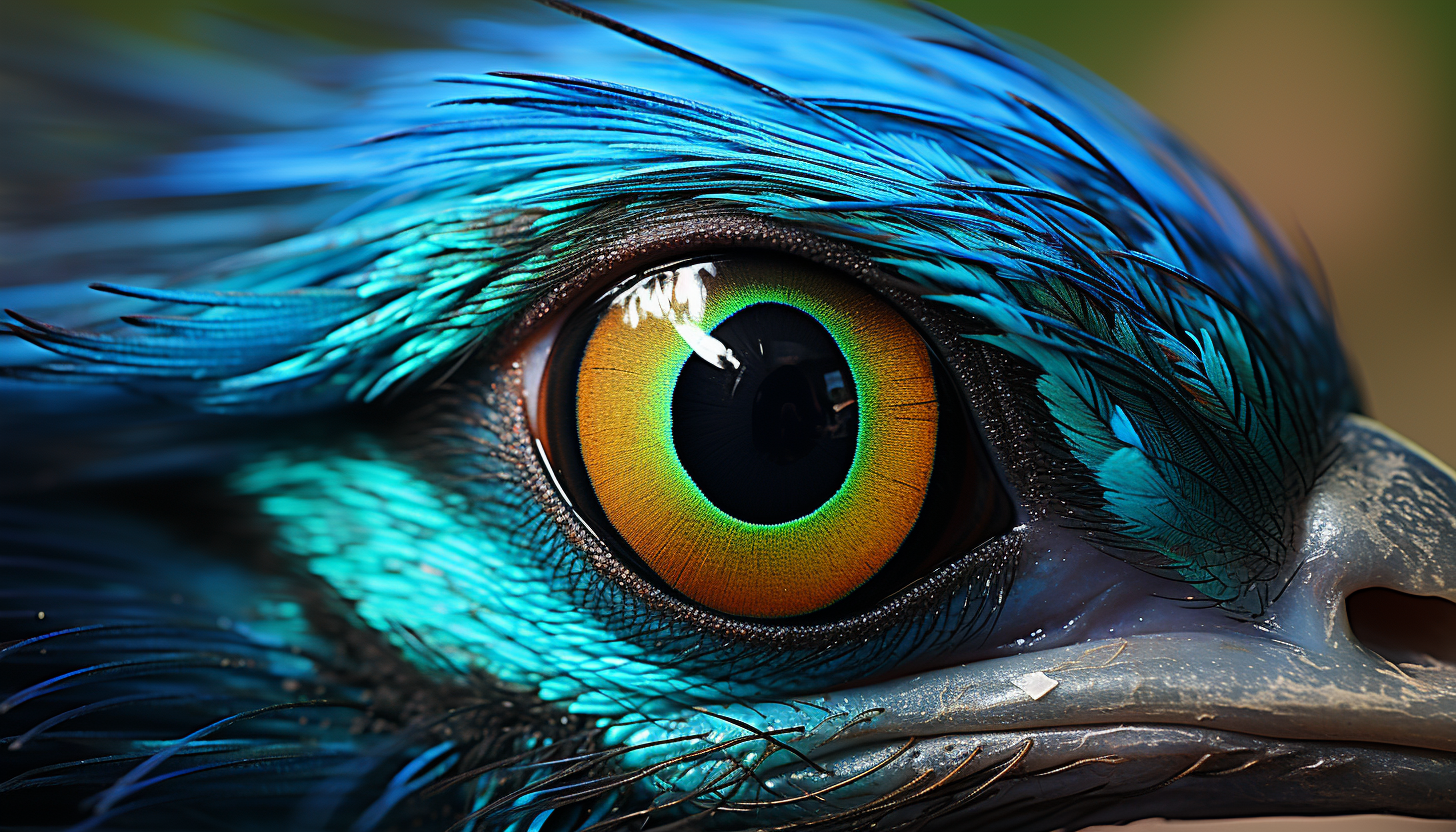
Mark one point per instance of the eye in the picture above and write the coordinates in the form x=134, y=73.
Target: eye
x=764, y=436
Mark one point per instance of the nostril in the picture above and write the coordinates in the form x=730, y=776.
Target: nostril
x=1404, y=629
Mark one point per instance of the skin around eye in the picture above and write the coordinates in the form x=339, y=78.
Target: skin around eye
x=761, y=435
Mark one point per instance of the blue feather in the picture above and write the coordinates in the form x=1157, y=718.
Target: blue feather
x=1189, y=373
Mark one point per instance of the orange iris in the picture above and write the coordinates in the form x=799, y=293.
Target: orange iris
x=637, y=356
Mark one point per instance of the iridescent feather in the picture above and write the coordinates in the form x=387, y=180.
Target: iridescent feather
x=1191, y=372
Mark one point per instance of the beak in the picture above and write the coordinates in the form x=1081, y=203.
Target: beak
x=1382, y=520
x=1342, y=698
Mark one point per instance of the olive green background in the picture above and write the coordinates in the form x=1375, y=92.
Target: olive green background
x=1338, y=117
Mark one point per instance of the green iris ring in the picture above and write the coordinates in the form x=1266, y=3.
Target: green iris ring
x=867, y=400
x=745, y=568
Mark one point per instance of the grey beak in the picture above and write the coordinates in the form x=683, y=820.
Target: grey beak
x=1383, y=516
x=1381, y=519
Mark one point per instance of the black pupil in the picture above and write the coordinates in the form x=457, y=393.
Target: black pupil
x=772, y=439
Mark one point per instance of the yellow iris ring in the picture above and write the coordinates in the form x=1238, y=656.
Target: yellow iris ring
x=624, y=421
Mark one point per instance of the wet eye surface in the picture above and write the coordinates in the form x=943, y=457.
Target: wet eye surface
x=794, y=436
x=764, y=437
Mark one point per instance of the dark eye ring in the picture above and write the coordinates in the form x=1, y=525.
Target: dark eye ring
x=763, y=436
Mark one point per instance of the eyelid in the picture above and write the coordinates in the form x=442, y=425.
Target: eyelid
x=527, y=343
x=664, y=239
x=531, y=357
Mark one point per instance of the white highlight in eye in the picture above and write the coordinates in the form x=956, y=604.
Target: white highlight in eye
x=679, y=297
x=688, y=289
x=707, y=347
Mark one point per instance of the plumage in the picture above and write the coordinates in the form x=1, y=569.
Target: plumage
x=357, y=610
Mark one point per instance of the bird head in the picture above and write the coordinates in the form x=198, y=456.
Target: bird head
x=734, y=417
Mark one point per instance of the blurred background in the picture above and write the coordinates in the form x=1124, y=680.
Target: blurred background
x=1338, y=117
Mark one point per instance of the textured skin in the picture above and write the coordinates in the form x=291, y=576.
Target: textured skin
x=369, y=606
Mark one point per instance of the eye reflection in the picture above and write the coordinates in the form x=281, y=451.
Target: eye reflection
x=770, y=420
x=761, y=435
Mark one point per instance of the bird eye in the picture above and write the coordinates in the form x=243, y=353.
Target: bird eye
x=764, y=436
